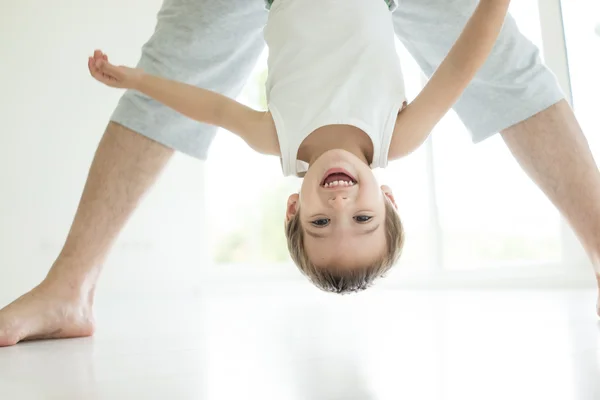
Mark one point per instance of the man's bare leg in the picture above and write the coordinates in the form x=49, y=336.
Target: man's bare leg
x=551, y=148
x=125, y=166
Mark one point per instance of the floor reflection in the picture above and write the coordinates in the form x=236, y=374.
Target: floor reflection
x=520, y=345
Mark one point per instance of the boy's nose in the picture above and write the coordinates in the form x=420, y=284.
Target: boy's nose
x=338, y=201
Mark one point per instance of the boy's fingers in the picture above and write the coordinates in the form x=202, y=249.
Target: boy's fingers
x=102, y=66
x=92, y=68
x=102, y=70
x=97, y=74
x=98, y=55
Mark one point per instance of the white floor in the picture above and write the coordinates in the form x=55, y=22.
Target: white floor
x=283, y=344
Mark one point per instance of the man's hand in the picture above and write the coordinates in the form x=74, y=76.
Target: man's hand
x=118, y=77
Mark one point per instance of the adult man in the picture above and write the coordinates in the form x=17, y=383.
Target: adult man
x=215, y=44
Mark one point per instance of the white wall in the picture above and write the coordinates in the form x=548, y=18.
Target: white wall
x=52, y=116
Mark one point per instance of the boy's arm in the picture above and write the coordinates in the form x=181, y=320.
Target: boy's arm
x=255, y=128
x=472, y=48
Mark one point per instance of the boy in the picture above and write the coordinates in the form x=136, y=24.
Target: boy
x=337, y=109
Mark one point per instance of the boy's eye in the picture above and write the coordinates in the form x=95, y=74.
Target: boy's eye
x=321, y=222
x=362, y=218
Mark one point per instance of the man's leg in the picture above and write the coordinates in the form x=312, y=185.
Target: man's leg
x=552, y=149
x=125, y=166
x=209, y=43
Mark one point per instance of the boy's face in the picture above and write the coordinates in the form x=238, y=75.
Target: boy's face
x=342, y=211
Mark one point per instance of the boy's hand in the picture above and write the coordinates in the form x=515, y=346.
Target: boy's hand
x=111, y=75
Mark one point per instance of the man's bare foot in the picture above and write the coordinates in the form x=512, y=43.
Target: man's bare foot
x=49, y=311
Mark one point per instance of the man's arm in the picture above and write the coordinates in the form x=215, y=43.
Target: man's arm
x=472, y=48
x=254, y=127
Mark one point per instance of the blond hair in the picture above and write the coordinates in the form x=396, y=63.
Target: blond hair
x=340, y=280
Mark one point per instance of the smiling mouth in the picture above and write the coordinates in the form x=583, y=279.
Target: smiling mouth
x=338, y=178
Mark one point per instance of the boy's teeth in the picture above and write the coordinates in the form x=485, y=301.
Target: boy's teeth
x=338, y=183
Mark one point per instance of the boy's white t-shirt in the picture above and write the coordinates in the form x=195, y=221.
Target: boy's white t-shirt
x=332, y=62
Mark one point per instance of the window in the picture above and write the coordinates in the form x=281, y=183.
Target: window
x=491, y=215
x=246, y=193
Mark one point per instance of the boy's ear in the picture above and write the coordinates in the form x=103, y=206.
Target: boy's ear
x=292, y=207
x=387, y=192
